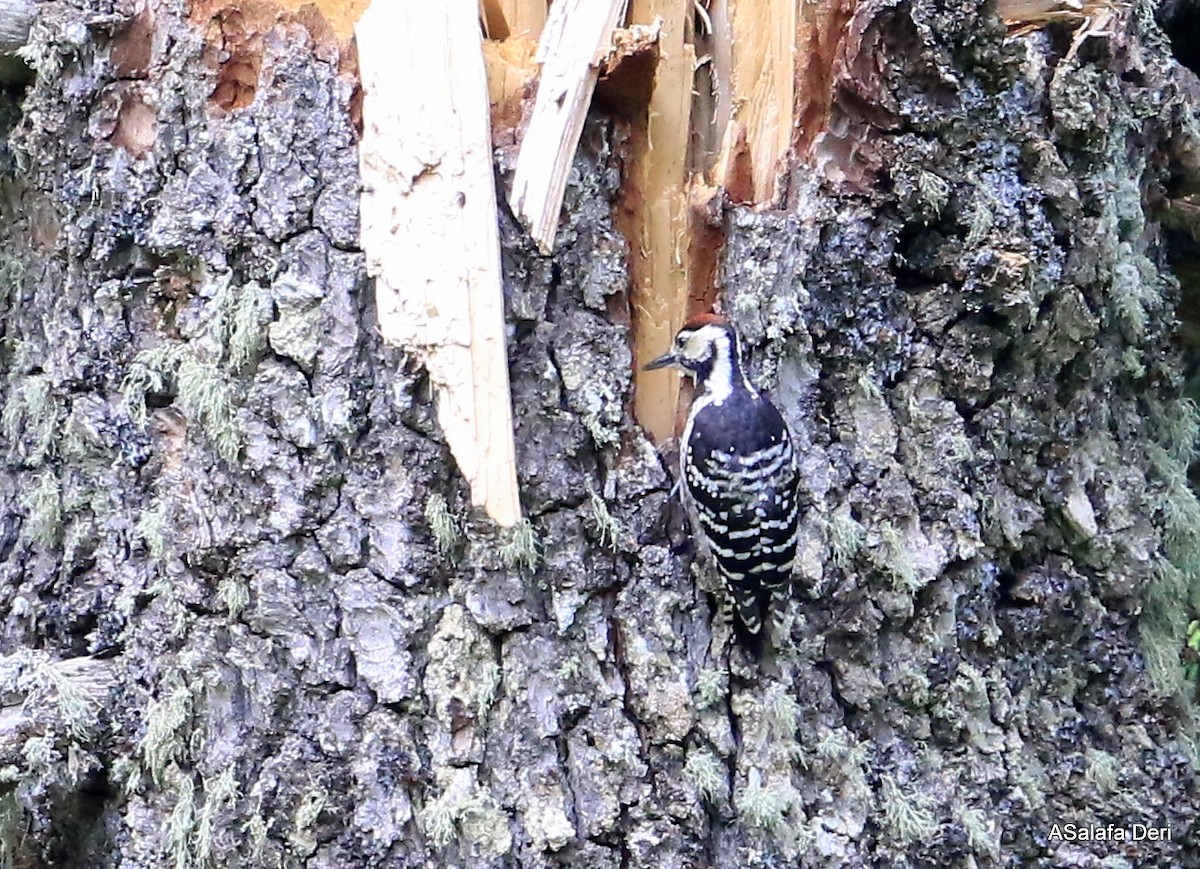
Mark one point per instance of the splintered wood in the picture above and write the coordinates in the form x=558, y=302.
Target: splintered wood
x=1026, y=16
x=659, y=231
x=575, y=39
x=717, y=101
x=505, y=19
x=429, y=226
x=512, y=28
x=754, y=64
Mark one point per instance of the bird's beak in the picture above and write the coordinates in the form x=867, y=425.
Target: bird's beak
x=661, y=362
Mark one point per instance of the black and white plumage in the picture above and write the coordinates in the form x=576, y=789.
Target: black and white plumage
x=739, y=473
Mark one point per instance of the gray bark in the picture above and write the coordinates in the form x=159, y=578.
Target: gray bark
x=219, y=480
x=16, y=16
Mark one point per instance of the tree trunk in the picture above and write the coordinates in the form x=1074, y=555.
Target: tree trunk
x=296, y=644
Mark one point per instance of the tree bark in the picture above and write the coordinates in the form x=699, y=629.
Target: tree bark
x=220, y=484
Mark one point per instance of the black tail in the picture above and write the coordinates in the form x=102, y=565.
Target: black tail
x=751, y=617
x=754, y=642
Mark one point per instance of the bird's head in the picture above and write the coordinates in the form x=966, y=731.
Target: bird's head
x=704, y=344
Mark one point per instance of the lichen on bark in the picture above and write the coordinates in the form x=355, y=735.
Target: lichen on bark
x=221, y=483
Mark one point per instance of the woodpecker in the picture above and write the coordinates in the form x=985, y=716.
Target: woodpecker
x=739, y=473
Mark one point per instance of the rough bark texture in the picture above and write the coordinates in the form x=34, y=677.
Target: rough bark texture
x=217, y=478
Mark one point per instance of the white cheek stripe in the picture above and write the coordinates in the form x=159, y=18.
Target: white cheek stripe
x=719, y=385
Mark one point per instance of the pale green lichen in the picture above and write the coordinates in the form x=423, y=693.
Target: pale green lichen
x=710, y=688
x=75, y=446
x=1030, y=778
x=1103, y=770
x=165, y=741
x=470, y=812
x=569, y=669
x=766, y=806
x=868, y=384
x=1181, y=514
x=846, y=537
x=983, y=217
x=44, y=510
x=438, y=819
x=707, y=775
x=152, y=527
x=1132, y=364
x=79, y=763
x=30, y=420
x=958, y=448
x=150, y=372
x=126, y=773
x=219, y=793
x=912, y=686
x=1166, y=605
x=39, y=754
x=77, y=687
x=302, y=837
x=443, y=525
x=602, y=432
x=1181, y=430
x=165, y=594
x=935, y=191
x=257, y=829
x=519, y=546
x=45, y=51
x=783, y=712
x=234, y=594
x=907, y=813
x=896, y=559
x=832, y=744
x=180, y=822
x=608, y=527
x=205, y=395
x=485, y=825
x=244, y=316
x=838, y=746
x=1129, y=295
x=982, y=834
x=1171, y=601
x=202, y=389
x=487, y=686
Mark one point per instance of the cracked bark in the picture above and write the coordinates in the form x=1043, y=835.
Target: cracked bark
x=320, y=657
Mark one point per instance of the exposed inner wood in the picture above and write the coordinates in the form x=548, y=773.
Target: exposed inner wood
x=707, y=223
x=134, y=122
x=755, y=68
x=511, y=70
x=1026, y=16
x=234, y=31
x=429, y=230
x=512, y=28
x=342, y=15
x=506, y=19
x=656, y=184
x=720, y=96
x=133, y=45
x=820, y=38
x=573, y=43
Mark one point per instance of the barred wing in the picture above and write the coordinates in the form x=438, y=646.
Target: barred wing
x=740, y=472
